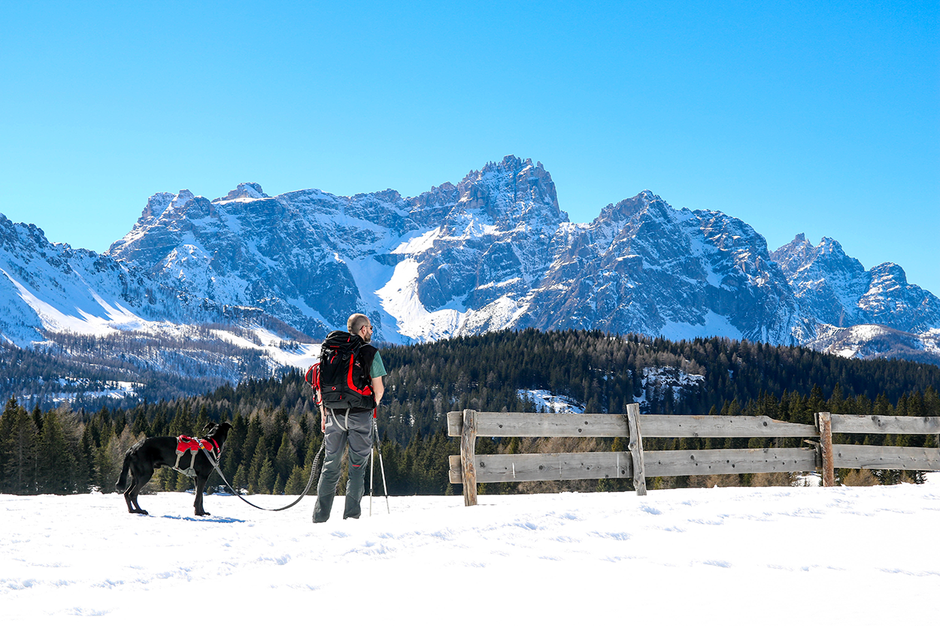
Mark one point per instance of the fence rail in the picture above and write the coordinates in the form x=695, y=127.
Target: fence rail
x=471, y=469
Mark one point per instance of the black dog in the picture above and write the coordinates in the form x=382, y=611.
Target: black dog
x=156, y=452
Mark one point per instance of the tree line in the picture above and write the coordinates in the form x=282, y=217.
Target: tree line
x=276, y=425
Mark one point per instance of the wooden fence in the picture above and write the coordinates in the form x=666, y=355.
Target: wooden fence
x=470, y=469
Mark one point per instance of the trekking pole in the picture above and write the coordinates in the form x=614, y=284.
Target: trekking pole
x=375, y=424
x=371, y=474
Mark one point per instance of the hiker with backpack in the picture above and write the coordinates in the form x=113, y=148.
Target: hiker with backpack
x=350, y=389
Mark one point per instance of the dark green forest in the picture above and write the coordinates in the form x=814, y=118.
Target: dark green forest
x=276, y=433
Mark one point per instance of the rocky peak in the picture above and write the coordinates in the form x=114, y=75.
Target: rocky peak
x=250, y=191
x=890, y=300
x=794, y=255
x=440, y=197
x=801, y=260
x=183, y=197
x=830, y=247
x=837, y=290
x=888, y=277
x=511, y=191
x=629, y=208
x=13, y=236
x=156, y=205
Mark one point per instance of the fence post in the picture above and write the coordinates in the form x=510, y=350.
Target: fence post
x=824, y=425
x=468, y=439
x=636, y=449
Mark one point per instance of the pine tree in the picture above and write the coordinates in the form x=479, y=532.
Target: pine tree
x=297, y=481
x=161, y=425
x=141, y=426
x=7, y=418
x=114, y=453
x=182, y=423
x=56, y=471
x=250, y=445
x=257, y=464
x=240, y=481
x=285, y=459
x=86, y=461
x=37, y=418
x=267, y=477
x=22, y=448
x=234, y=445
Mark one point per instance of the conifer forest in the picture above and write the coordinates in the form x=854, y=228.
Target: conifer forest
x=276, y=434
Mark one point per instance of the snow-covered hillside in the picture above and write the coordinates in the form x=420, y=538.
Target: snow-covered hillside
x=774, y=556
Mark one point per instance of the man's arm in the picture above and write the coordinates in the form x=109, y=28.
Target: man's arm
x=378, y=388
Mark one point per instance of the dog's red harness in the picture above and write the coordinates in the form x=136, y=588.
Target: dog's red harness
x=186, y=444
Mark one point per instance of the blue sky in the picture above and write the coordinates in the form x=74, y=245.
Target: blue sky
x=815, y=117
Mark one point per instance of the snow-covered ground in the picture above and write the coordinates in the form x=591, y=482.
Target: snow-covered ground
x=545, y=402
x=705, y=556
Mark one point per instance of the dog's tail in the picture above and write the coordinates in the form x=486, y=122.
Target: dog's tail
x=122, y=481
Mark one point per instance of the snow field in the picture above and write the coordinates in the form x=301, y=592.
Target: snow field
x=708, y=556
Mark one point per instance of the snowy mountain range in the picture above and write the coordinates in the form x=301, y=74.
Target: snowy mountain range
x=495, y=251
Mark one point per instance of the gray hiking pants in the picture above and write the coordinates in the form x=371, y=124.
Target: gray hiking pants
x=353, y=429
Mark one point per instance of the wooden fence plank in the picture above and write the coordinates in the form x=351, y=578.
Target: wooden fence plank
x=824, y=424
x=729, y=461
x=497, y=468
x=468, y=440
x=721, y=426
x=455, y=474
x=636, y=449
x=493, y=468
x=490, y=424
x=549, y=425
x=885, y=424
x=454, y=423
x=886, y=457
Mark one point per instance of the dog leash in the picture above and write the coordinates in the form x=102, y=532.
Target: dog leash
x=313, y=472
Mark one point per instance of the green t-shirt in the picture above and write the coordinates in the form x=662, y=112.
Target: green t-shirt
x=378, y=368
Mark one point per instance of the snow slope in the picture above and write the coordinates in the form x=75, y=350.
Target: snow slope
x=705, y=556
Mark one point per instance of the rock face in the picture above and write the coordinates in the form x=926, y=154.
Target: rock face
x=494, y=251
x=873, y=313
x=52, y=287
x=645, y=266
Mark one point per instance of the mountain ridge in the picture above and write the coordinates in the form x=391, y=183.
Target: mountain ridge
x=493, y=252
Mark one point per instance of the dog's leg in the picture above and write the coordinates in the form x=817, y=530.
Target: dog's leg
x=127, y=499
x=141, y=476
x=134, y=495
x=127, y=495
x=130, y=494
x=200, y=487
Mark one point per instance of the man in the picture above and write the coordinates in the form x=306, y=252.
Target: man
x=351, y=426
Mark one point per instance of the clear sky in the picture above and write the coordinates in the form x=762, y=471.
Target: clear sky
x=816, y=117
